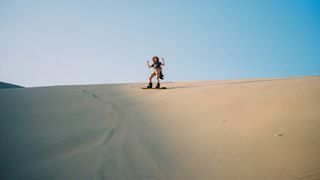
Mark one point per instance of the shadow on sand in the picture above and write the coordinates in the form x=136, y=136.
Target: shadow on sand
x=227, y=83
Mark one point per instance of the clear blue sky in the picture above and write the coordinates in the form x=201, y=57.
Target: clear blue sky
x=58, y=42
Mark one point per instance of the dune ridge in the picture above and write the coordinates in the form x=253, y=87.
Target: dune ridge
x=241, y=129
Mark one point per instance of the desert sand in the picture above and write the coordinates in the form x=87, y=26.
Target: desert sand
x=240, y=129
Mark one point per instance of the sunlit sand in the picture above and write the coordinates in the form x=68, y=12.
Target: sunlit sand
x=241, y=129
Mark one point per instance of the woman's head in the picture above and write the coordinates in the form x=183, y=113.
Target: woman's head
x=155, y=59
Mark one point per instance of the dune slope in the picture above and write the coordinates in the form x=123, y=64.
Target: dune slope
x=245, y=129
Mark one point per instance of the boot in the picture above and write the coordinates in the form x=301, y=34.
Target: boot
x=161, y=76
x=158, y=85
x=150, y=85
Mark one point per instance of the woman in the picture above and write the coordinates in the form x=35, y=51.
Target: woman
x=157, y=71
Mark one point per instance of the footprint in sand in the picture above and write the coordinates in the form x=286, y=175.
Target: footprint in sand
x=95, y=96
x=279, y=134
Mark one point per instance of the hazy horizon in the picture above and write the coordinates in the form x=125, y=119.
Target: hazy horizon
x=91, y=42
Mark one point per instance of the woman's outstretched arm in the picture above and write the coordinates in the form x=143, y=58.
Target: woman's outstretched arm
x=148, y=64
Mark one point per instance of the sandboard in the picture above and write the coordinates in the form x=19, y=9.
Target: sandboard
x=154, y=88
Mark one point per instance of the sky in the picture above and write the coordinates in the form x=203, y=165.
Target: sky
x=45, y=42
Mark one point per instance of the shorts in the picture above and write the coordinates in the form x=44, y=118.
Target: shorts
x=156, y=72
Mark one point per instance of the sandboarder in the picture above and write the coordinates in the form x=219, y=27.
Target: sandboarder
x=157, y=71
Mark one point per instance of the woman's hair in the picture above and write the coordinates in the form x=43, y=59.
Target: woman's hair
x=155, y=58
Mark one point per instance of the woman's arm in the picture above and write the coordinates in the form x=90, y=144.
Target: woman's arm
x=148, y=64
x=162, y=61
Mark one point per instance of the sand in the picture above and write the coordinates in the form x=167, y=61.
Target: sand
x=242, y=129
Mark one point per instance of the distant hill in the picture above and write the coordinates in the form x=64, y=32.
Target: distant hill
x=4, y=85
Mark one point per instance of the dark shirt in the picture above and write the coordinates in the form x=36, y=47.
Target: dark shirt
x=156, y=65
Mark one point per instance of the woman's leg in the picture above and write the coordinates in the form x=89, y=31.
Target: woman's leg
x=150, y=78
x=158, y=76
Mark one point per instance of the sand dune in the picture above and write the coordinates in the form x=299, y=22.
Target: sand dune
x=4, y=85
x=245, y=129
